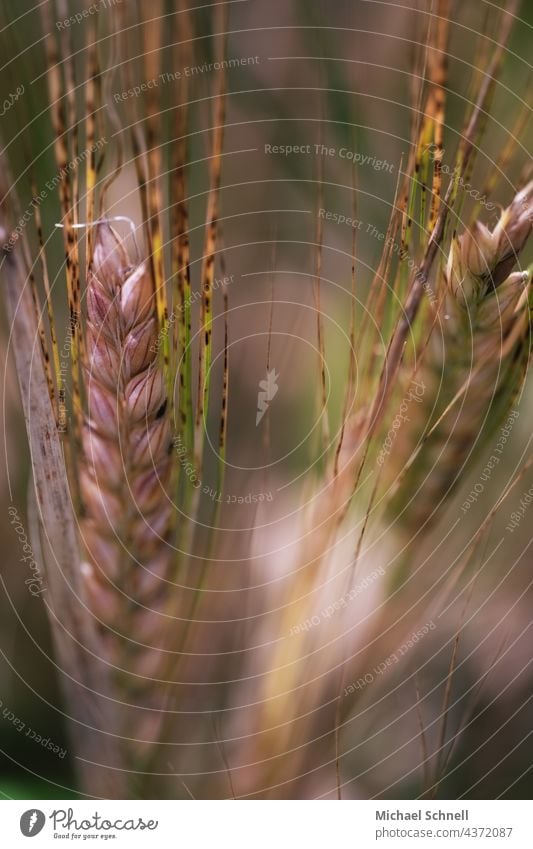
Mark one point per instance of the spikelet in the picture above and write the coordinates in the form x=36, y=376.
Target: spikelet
x=126, y=465
x=473, y=368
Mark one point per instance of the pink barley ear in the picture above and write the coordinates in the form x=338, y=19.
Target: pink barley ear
x=126, y=469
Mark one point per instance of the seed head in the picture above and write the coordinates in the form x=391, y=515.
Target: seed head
x=480, y=259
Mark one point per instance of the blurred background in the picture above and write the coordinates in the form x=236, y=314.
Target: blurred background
x=319, y=111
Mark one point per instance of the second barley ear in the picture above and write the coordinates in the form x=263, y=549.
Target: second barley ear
x=472, y=369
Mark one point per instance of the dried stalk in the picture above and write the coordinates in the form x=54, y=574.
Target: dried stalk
x=54, y=540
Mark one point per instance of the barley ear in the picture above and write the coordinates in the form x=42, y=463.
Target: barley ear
x=474, y=371
x=124, y=478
